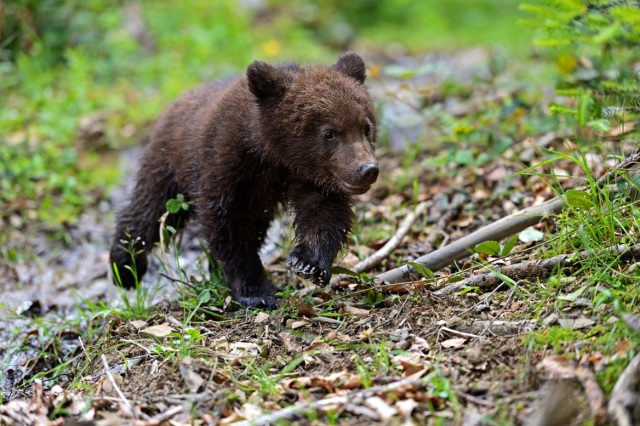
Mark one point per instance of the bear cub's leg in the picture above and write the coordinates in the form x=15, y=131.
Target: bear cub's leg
x=235, y=237
x=322, y=223
x=138, y=221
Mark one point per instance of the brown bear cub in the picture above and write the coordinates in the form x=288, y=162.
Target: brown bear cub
x=302, y=137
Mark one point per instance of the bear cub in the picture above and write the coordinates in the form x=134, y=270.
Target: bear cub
x=303, y=137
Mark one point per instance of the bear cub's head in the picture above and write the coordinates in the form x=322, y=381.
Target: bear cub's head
x=320, y=122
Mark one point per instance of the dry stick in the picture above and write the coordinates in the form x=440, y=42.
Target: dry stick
x=559, y=368
x=452, y=212
x=390, y=245
x=124, y=399
x=163, y=417
x=461, y=248
x=624, y=392
x=289, y=412
x=498, y=230
x=537, y=268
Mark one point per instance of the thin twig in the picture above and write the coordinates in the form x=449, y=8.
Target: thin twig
x=504, y=306
x=163, y=417
x=558, y=368
x=377, y=257
x=137, y=344
x=289, y=412
x=123, y=398
x=624, y=394
x=537, y=268
x=453, y=210
x=459, y=333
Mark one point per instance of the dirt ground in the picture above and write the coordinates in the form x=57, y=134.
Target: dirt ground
x=351, y=354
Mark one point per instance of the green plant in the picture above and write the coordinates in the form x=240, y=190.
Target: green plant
x=139, y=307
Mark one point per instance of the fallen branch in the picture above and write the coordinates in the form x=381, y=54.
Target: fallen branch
x=498, y=230
x=290, y=412
x=537, y=268
x=624, y=395
x=557, y=368
x=462, y=248
x=377, y=257
x=497, y=328
x=161, y=418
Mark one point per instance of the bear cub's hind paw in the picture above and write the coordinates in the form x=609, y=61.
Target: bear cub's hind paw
x=261, y=302
x=307, y=269
x=262, y=296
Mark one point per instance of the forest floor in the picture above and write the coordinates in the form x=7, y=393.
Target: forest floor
x=539, y=350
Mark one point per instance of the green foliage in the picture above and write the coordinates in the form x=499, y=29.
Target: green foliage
x=494, y=248
x=373, y=298
x=174, y=205
x=139, y=306
x=422, y=270
x=594, y=45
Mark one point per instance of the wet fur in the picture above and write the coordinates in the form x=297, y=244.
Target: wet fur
x=237, y=148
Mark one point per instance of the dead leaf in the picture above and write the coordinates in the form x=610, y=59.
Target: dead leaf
x=192, y=379
x=158, y=331
x=244, y=349
x=305, y=309
x=410, y=368
x=463, y=221
x=299, y=324
x=355, y=311
x=576, y=324
x=289, y=342
x=379, y=405
x=319, y=345
x=456, y=342
x=138, y=324
x=405, y=407
x=261, y=317
x=366, y=333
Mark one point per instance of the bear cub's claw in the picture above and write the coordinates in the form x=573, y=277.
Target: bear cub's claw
x=307, y=269
x=261, y=302
x=262, y=296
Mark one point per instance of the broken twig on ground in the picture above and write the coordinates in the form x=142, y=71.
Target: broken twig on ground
x=123, y=398
x=624, y=395
x=377, y=257
x=289, y=412
x=536, y=268
x=558, y=368
x=462, y=248
x=496, y=231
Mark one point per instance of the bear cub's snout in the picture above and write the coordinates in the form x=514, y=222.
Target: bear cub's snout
x=302, y=137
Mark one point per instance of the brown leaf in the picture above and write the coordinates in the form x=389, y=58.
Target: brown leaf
x=261, y=317
x=319, y=345
x=289, y=342
x=410, y=368
x=305, y=309
x=158, y=331
x=456, y=342
x=356, y=311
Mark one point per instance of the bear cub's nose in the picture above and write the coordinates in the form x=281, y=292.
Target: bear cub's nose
x=369, y=172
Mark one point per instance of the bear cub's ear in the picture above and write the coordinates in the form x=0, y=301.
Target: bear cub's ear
x=352, y=65
x=266, y=81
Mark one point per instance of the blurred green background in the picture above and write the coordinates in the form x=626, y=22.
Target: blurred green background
x=80, y=79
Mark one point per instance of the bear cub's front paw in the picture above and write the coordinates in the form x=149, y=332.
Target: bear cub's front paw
x=307, y=269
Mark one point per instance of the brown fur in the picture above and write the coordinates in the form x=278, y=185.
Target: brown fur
x=302, y=137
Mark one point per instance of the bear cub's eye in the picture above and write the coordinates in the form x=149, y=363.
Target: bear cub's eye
x=329, y=135
x=367, y=130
